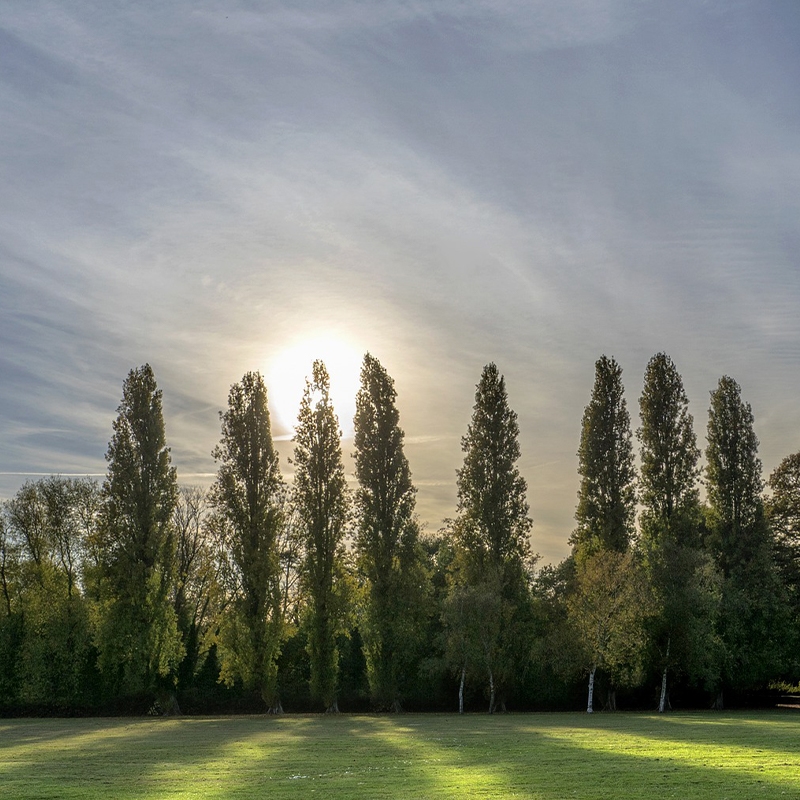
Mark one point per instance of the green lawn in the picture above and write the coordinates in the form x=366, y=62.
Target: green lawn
x=707, y=755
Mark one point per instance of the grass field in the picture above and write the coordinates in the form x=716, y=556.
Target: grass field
x=709, y=755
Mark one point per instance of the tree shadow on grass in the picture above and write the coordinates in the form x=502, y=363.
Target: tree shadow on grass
x=544, y=756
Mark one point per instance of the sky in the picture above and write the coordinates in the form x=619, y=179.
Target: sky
x=219, y=187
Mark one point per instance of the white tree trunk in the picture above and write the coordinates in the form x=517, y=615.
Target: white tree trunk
x=663, y=700
x=461, y=689
x=589, y=708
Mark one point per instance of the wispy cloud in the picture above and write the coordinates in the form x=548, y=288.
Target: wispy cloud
x=446, y=183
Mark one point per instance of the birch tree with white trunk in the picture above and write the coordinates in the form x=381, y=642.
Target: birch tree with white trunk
x=607, y=609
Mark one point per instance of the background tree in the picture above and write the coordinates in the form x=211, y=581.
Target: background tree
x=733, y=478
x=387, y=543
x=608, y=608
x=11, y=615
x=55, y=653
x=473, y=616
x=322, y=505
x=197, y=596
x=684, y=586
x=8, y=566
x=606, y=497
x=783, y=511
x=669, y=470
x=140, y=646
x=247, y=495
x=681, y=627
x=493, y=526
x=753, y=614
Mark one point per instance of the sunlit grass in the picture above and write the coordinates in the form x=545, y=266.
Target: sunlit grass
x=544, y=756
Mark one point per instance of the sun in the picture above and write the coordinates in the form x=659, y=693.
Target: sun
x=286, y=377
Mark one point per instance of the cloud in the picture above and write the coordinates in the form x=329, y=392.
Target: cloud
x=447, y=183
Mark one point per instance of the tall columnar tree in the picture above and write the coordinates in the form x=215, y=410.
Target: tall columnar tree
x=493, y=526
x=669, y=470
x=140, y=646
x=784, y=517
x=387, y=541
x=733, y=477
x=322, y=503
x=753, y=608
x=670, y=523
x=247, y=495
x=491, y=490
x=606, y=497
x=783, y=511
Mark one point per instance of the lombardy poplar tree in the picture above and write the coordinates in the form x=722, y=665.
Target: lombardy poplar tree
x=606, y=497
x=754, y=609
x=322, y=506
x=670, y=521
x=784, y=517
x=247, y=494
x=491, y=491
x=387, y=541
x=493, y=526
x=733, y=477
x=669, y=471
x=139, y=643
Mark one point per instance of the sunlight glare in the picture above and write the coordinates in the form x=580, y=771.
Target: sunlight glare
x=287, y=373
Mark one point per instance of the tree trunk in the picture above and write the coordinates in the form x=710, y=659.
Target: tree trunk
x=333, y=708
x=717, y=704
x=169, y=704
x=589, y=708
x=461, y=689
x=276, y=707
x=491, y=692
x=611, y=700
x=662, y=701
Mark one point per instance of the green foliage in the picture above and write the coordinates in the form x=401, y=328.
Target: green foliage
x=198, y=596
x=669, y=454
x=248, y=496
x=157, y=588
x=140, y=646
x=492, y=547
x=608, y=607
x=755, y=625
x=387, y=542
x=783, y=513
x=493, y=511
x=733, y=478
x=322, y=505
x=683, y=583
x=56, y=651
x=606, y=497
x=45, y=532
x=754, y=611
x=686, y=591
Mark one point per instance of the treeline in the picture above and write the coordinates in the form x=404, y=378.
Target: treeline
x=139, y=595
